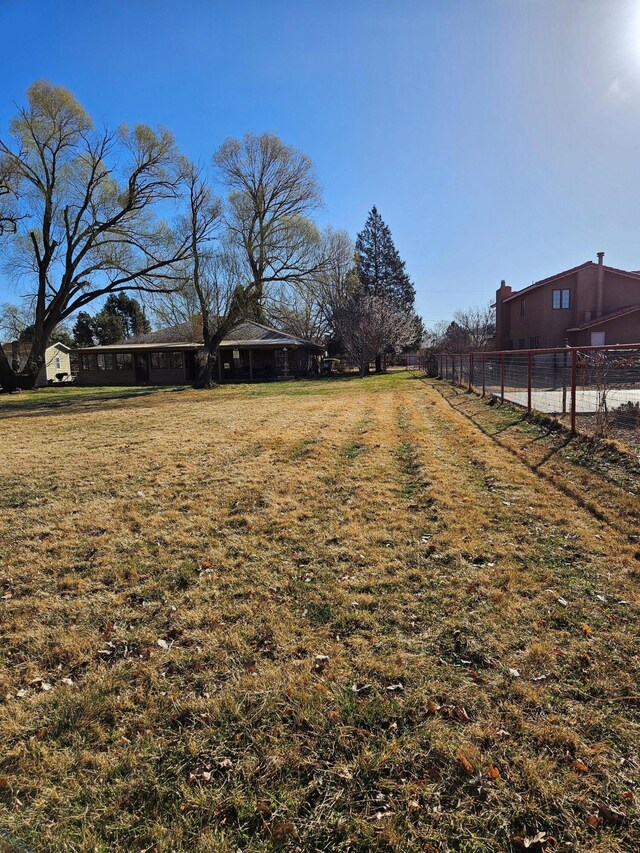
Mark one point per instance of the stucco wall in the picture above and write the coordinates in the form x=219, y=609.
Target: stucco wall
x=621, y=330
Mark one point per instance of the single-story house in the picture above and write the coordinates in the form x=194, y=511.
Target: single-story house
x=57, y=365
x=250, y=353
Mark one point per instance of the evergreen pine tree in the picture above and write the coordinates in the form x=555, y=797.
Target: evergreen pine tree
x=381, y=270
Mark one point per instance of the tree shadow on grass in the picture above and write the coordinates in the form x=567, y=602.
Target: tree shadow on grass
x=35, y=404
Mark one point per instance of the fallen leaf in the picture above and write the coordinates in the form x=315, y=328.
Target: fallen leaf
x=264, y=809
x=538, y=838
x=580, y=766
x=393, y=688
x=493, y=772
x=320, y=663
x=462, y=758
x=587, y=630
x=610, y=814
x=563, y=602
x=162, y=643
x=513, y=672
x=282, y=830
x=432, y=708
x=593, y=820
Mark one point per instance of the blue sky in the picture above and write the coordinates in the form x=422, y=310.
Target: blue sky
x=498, y=138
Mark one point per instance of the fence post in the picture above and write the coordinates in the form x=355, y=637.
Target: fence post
x=574, y=382
x=484, y=364
x=502, y=377
x=470, y=372
x=529, y=382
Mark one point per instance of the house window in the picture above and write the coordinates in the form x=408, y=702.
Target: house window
x=124, y=361
x=534, y=343
x=88, y=362
x=174, y=360
x=166, y=360
x=104, y=361
x=278, y=355
x=561, y=299
x=523, y=303
x=521, y=343
x=56, y=362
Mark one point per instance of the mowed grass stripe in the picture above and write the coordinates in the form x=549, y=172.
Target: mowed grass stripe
x=341, y=593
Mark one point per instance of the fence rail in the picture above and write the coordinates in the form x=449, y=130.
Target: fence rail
x=594, y=390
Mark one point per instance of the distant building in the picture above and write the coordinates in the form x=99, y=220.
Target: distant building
x=57, y=364
x=250, y=353
x=588, y=305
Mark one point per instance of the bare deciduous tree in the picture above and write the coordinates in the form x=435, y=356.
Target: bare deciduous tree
x=272, y=192
x=478, y=325
x=90, y=199
x=307, y=308
x=369, y=325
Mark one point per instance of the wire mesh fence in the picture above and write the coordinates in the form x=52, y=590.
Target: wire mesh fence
x=594, y=390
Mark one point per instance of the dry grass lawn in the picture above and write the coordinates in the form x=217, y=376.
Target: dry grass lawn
x=326, y=616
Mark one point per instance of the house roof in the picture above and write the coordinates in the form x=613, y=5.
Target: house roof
x=185, y=336
x=543, y=281
x=605, y=318
x=24, y=348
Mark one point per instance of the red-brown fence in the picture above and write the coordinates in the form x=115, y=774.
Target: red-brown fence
x=595, y=390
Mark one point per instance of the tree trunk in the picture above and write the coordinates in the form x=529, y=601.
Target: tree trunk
x=206, y=363
x=378, y=363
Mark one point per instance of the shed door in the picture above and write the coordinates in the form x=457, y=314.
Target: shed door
x=597, y=339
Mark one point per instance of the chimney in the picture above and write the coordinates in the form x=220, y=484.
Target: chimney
x=502, y=316
x=600, y=287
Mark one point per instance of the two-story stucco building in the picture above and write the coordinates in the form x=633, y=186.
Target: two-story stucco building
x=588, y=305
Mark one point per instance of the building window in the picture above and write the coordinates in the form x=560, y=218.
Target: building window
x=124, y=361
x=510, y=345
x=104, y=361
x=561, y=299
x=166, y=360
x=521, y=343
x=534, y=343
x=56, y=362
x=88, y=362
x=174, y=360
x=523, y=303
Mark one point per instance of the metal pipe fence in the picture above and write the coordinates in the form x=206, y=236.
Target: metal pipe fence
x=593, y=390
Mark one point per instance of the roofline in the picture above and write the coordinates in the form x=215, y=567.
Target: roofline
x=605, y=318
x=559, y=275
x=192, y=345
